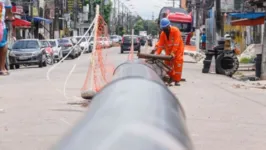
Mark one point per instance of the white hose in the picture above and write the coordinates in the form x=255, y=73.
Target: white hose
x=74, y=66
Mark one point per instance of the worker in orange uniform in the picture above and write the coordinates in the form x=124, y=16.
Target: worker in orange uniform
x=171, y=41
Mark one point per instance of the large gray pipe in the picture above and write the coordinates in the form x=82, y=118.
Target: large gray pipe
x=136, y=111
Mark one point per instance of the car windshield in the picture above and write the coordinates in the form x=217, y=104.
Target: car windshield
x=183, y=27
x=44, y=43
x=64, y=41
x=129, y=39
x=83, y=39
x=52, y=43
x=27, y=44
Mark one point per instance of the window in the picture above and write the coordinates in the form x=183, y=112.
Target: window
x=52, y=43
x=44, y=43
x=26, y=45
x=183, y=27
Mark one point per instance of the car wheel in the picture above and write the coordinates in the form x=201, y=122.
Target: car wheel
x=72, y=57
x=41, y=64
x=11, y=66
x=17, y=66
x=45, y=64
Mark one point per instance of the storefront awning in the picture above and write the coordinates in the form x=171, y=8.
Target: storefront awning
x=248, y=19
x=248, y=15
x=248, y=22
x=39, y=19
x=21, y=23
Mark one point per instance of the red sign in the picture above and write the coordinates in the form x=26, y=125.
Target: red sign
x=17, y=9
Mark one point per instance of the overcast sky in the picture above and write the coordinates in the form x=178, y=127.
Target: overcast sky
x=145, y=8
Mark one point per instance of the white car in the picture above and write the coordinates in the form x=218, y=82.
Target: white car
x=103, y=42
x=58, y=54
x=116, y=38
x=110, y=41
x=83, y=42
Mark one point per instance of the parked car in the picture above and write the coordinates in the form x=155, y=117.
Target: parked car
x=143, y=40
x=27, y=52
x=67, y=46
x=58, y=54
x=49, y=52
x=91, y=44
x=103, y=42
x=109, y=41
x=76, y=45
x=126, y=43
x=83, y=42
x=115, y=38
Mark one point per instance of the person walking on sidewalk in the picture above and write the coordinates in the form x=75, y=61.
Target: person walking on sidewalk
x=171, y=41
x=203, y=39
x=5, y=15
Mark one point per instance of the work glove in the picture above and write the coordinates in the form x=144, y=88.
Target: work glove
x=172, y=55
x=153, y=51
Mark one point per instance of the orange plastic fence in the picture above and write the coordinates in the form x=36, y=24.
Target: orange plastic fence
x=103, y=70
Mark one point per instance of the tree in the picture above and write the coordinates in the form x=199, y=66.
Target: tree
x=151, y=27
x=106, y=9
x=139, y=26
x=107, y=12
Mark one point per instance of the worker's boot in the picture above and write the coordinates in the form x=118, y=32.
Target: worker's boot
x=169, y=82
x=177, y=84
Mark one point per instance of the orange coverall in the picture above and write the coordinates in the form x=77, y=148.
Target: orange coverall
x=175, y=47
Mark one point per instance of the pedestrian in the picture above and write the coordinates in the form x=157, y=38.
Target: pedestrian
x=5, y=15
x=203, y=39
x=171, y=41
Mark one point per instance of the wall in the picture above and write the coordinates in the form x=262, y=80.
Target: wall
x=183, y=4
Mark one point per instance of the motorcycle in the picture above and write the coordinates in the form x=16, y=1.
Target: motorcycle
x=49, y=57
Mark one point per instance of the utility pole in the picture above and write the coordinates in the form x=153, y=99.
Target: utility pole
x=56, y=20
x=263, y=61
x=102, y=7
x=123, y=15
x=197, y=4
x=75, y=12
x=173, y=2
x=32, y=21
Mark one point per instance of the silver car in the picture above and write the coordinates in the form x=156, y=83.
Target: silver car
x=27, y=52
x=58, y=54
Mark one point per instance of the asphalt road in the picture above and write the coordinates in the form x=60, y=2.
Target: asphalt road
x=35, y=113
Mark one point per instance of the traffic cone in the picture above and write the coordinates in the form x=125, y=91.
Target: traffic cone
x=212, y=67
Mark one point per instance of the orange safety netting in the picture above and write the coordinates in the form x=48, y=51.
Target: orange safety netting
x=102, y=70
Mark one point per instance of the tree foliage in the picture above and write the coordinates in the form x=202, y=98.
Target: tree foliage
x=139, y=26
x=106, y=9
x=146, y=25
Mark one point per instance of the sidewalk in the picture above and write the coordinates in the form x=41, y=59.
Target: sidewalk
x=222, y=113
